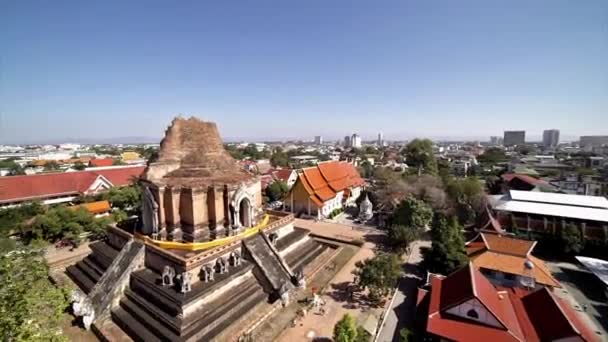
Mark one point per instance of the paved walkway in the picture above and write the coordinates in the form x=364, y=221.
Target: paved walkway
x=337, y=301
x=402, y=310
x=340, y=231
x=336, y=305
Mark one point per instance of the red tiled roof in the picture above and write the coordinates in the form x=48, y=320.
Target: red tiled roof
x=524, y=178
x=101, y=162
x=318, y=184
x=526, y=316
x=545, y=317
x=310, y=191
x=328, y=178
x=122, y=176
x=460, y=286
x=283, y=174
x=23, y=188
x=508, y=245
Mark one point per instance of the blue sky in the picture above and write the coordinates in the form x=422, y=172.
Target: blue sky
x=277, y=69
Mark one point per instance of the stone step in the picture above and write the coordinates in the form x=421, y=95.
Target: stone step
x=208, y=322
x=103, y=253
x=89, y=271
x=150, y=322
x=147, y=283
x=80, y=278
x=309, y=257
x=291, y=238
x=90, y=261
x=295, y=257
x=130, y=325
x=220, y=319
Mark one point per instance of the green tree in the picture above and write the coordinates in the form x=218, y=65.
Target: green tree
x=79, y=166
x=12, y=219
x=419, y=155
x=64, y=222
x=412, y=212
x=31, y=306
x=276, y=191
x=366, y=169
x=117, y=162
x=51, y=166
x=363, y=335
x=127, y=198
x=406, y=335
x=400, y=236
x=467, y=197
x=378, y=274
x=492, y=156
x=279, y=158
x=345, y=330
x=571, y=239
x=447, y=252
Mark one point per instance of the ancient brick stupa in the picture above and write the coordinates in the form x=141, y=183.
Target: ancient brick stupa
x=194, y=190
x=207, y=263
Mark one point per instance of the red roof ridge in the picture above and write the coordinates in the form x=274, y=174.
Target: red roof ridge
x=555, y=301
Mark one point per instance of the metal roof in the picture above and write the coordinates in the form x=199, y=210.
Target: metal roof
x=549, y=209
x=598, y=267
x=563, y=199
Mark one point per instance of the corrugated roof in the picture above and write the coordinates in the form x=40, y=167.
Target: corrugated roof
x=563, y=199
x=548, y=209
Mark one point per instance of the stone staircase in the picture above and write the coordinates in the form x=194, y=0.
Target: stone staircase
x=268, y=261
x=87, y=272
x=145, y=316
x=305, y=254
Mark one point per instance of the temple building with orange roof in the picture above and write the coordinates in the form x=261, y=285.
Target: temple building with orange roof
x=508, y=261
x=323, y=188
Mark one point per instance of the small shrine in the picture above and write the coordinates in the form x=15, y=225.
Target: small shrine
x=366, y=209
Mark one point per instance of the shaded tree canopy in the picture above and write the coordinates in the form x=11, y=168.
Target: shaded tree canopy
x=413, y=213
x=493, y=155
x=447, y=252
x=571, y=239
x=467, y=197
x=419, y=155
x=31, y=306
x=379, y=274
x=276, y=191
x=345, y=330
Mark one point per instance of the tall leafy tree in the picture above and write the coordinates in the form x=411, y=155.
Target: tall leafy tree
x=378, y=274
x=571, y=239
x=345, y=330
x=412, y=212
x=277, y=190
x=31, y=307
x=467, y=198
x=419, y=155
x=447, y=252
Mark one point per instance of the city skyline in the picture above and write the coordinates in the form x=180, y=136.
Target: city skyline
x=266, y=72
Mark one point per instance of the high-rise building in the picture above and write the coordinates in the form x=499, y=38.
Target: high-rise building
x=318, y=140
x=550, y=137
x=355, y=140
x=590, y=141
x=514, y=138
x=347, y=141
x=380, y=141
x=495, y=140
